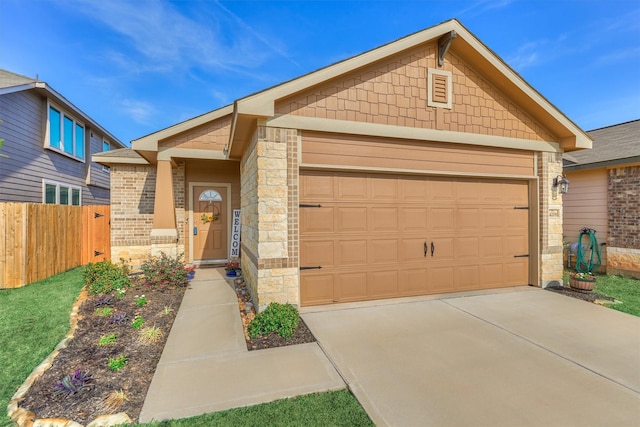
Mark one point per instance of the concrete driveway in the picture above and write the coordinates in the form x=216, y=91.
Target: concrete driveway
x=520, y=357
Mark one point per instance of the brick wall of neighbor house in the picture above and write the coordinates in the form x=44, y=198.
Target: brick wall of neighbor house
x=268, y=240
x=623, y=246
x=551, y=268
x=132, y=205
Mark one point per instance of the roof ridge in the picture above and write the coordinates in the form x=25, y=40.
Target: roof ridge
x=614, y=125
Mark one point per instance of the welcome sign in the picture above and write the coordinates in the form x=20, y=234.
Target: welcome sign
x=235, y=235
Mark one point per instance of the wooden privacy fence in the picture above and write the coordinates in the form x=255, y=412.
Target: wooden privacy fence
x=39, y=240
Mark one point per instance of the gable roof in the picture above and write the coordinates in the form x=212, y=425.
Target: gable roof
x=11, y=82
x=612, y=145
x=261, y=105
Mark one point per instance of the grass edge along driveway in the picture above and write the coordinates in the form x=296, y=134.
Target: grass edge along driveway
x=35, y=318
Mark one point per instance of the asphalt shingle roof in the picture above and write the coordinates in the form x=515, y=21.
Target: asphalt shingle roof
x=610, y=143
x=9, y=79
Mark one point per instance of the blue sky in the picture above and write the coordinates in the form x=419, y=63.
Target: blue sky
x=138, y=66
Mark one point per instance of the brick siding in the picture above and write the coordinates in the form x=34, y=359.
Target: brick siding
x=624, y=207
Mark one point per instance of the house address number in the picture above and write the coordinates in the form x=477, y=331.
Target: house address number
x=235, y=235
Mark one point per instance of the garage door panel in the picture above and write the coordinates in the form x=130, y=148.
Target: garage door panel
x=351, y=287
x=492, y=246
x=384, y=219
x=383, y=189
x=441, y=219
x=467, y=277
x=383, y=251
x=413, y=219
x=370, y=236
x=440, y=279
x=317, y=220
x=414, y=189
x=352, y=188
x=467, y=247
x=351, y=219
x=412, y=250
x=352, y=252
x=467, y=218
x=443, y=248
x=413, y=281
x=382, y=284
x=317, y=252
x=316, y=289
x=441, y=190
x=492, y=218
x=318, y=186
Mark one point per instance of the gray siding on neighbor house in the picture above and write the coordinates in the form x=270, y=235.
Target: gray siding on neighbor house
x=24, y=116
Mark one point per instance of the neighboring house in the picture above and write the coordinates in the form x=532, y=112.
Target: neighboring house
x=423, y=166
x=604, y=195
x=48, y=143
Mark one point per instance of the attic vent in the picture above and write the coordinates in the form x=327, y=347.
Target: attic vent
x=439, y=88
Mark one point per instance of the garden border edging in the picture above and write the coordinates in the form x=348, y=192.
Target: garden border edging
x=25, y=418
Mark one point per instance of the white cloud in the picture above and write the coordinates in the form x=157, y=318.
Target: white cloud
x=139, y=111
x=168, y=39
x=525, y=56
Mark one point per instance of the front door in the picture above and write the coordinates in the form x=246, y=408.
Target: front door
x=209, y=223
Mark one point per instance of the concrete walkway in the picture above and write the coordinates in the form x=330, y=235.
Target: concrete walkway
x=521, y=357
x=206, y=367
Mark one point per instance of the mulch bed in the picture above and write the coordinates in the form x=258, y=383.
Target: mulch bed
x=301, y=335
x=84, y=353
x=585, y=296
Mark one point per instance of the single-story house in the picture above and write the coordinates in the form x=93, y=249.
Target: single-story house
x=605, y=195
x=423, y=166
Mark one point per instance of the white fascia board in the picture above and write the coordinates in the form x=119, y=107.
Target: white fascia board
x=106, y=160
x=150, y=142
x=401, y=132
x=17, y=88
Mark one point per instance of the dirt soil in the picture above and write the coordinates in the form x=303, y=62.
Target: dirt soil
x=585, y=296
x=84, y=353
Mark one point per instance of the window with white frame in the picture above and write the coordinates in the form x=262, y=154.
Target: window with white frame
x=61, y=194
x=65, y=134
x=105, y=147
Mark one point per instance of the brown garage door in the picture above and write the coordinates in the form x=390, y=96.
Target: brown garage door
x=382, y=236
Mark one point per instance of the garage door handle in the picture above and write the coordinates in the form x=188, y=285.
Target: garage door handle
x=433, y=248
x=425, y=249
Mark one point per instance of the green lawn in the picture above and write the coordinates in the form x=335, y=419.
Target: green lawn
x=338, y=408
x=624, y=289
x=33, y=320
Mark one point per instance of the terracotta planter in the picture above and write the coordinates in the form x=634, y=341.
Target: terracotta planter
x=582, y=285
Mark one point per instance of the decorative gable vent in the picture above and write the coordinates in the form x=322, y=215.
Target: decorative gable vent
x=439, y=88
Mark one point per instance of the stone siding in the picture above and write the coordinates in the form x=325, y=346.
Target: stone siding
x=551, y=250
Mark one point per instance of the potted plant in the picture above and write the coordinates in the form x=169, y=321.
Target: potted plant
x=583, y=282
x=232, y=267
x=191, y=271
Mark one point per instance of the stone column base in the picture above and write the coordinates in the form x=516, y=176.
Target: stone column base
x=165, y=241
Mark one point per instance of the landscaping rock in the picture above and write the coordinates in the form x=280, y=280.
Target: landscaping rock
x=111, y=420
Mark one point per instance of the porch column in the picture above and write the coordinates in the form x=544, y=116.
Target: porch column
x=551, y=268
x=164, y=235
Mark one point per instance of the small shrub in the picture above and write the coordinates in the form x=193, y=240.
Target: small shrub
x=104, y=311
x=150, y=335
x=112, y=402
x=107, y=339
x=279, y=318
x=118, y=318
x=104, y=300
x=117, y=363
x=137, y=323
x=103, y=277
x=72, y=385
x=141, y=300
x=120, y=293
x=165, y=271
